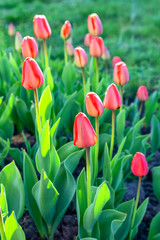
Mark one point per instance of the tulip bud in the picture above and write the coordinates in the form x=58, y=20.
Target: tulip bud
x=106, y=54
x=32, y=76
x=29, y=47
x=80, y=57
x=112, y=99
x=18, y=42
x=41, y=27
x=11, y=29
x=96, y=47
x=87, y=39
x=94, y=105
x=94, y=25
x=70, y=48
x=84, y=134
x=139, y=165
x=115, y=60
x=66, y=30
x=142, y=94
x=120, y=73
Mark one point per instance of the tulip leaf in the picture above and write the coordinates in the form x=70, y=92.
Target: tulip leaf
x=17, y=155
x=117, y=155
x=154, y=230
x=3, y=200
x=54, y=162
x=156, y=184
x=93, y=212
x=72, y=160
x=140, y=144
x=15, y=232
x=120, y=126
x=155, y=134
x=45, y=105
x=6, y=114
x=11, y=179
x=54, y=129
x=66, y=150
x=150, y=106
x=15, y=66
x=107, y=172
x=4, y=148
x=69, y=78
x=48, y=79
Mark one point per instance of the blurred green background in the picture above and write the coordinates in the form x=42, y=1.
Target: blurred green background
x=131, y=29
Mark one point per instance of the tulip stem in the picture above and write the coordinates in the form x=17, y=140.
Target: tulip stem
x=97, y=75
x=84, y=82
x=140, y=108
x=65, y=53
x=112, y=137
x=96, y=147
x=37, y=112
x=2, y=231
x=45, y=52
x=88, y=169
x=121, y=98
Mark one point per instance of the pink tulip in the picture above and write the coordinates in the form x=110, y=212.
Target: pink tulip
x=139, y=165
x=142, y=94
x=94, y=25
x=29, y=47
x=66, y=30
x=18, y=42
x=87, y=40
x=106, y=54
x=120, y=73
x=112, y=99
x=94, y=104
x=11, y=29
x=41, y=27
x=80, y=57
x=96, y=47
x=115, y=60
x=70, y=48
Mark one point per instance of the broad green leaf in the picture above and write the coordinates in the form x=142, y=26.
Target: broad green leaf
x=73, y=159
x=69, y=77
x=120, y=126
x=154, y=230
x=54, y=129
x=117, y=156
x=54, y=162
x=48, y=79
x=156, y=184
x=66, y=150
x=119, y=195
x=8, y=130
x=11, y=179
x=45, y=105
x=3, y=200
x=6, y=114
x=155, y=134
x=107, y=172
x=140, y=144
x=17, y=155
x=4, y=148
x=150, y=106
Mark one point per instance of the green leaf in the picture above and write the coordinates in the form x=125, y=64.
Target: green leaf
x=140, y=144
x=3, y=200
x=54, y=129
x=15, y=232
x=150, y=106
x=69, y=77
x=4, y=148
x=72, y=160
x=155, y=134
x=107, y=172
x=11, y=179
x=120, y=126
x=154, y=230
x=6, y=114
x=45, y=105
x=156, y=184
x=66, y=150
x=93, y=212
x=15, y=66
x=17, y=155
x=48, y=79
x=116, y=157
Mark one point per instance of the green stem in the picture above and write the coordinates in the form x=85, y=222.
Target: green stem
x=121, y=98
x=45, y=53
x=112, y=137
x=96, y=147
x=140, y=108
x=88, y=169
x=37, y=112
x=65, y=53
x=97, y=74
x=2, y=231
x=84, y=83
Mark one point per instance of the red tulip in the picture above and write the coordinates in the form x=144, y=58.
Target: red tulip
x=94, y=104
x=70, y=48
x=115, y=60
x=139, y=165
x=80, y=57
x=32, y=76
x=112, y=99
x=94, y=25
x=120, y=73
x=29, y=47
x=41, y=27
x=88, y=39
x=142, y=94
x=18, y=42
x=84, y=134
x=106, y=54
x=11, y=29
x=96, y=47
x=66, y=30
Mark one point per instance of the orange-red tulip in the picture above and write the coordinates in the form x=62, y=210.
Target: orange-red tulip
x=120, y=73
x=80, y=57
x=112, y=99
x=18, y=42
x=32, y=76
x=106, y=54
x=66, y=30
x=116, y=60
x=139, y=165
x=96, y=47
x=41, y=27
x=94, y=25
x=11, y=29
x=29, y=47
x=87, y=39
x=94, y=104
x=142, y=94
x=84, y=134
x=70, y=48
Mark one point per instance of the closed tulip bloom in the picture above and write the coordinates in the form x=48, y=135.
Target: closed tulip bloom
x=139, y=165
x=41, y=27
x=80, y=57
x=106, y=54
x=112, y=99
x=142, y=94
x=94, y=25
x=96, y=47
x=29, y=47
x=94, y=104
x=115, y=60
x=84, y=134
x=70, y=48
x=66, y=30
x=11, y=29
x=120, y=73
x=18, y=41
x=32, y=76
x=87, y=39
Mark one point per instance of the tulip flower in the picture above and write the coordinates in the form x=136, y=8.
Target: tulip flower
x=94, y=25
x=106, y=54
x=139, y=167
x=18, y=42
x=29, y=47
x=87, y=39
x=121, y=76
x=95, y=109
x=70, y=48
x=81, y=61
x=112, y=101
x=32, y=78
x=11, y=29
x=142, y=95
x=116, y=60
x=85, y=137
x=96, y=50
x=42, y=30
